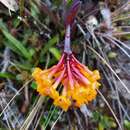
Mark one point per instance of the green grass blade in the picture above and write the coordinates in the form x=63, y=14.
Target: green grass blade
x=16, y=45
x=49, y=44
x=49, y=118
x=7, y=75
x=55, y=52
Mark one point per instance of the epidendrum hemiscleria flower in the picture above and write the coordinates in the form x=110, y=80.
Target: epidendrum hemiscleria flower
x=78, y=83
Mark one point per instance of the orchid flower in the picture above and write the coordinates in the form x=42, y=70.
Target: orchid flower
x=79, y=84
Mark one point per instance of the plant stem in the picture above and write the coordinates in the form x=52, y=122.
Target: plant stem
x=67, y=48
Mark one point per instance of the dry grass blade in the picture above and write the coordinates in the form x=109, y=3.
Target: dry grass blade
x=6, y=119
x=120, y=9
x=109, y=68
x=107, y=75
x=31, y=116
x=122, y=49
x=110, y=109
x=123, y=44
x=15, y=96
x=78, y=120
x=12, y=117
x=120, y=33
x=120, y=19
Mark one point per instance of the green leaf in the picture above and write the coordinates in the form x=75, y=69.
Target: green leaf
x=16, y=45
x=127, y=124
x=7, y=75
x=3, y=26
x=49, y=44
x=34, y=10
x=55, y=52
x=34, y=85
x=104, y=121
x=12, y=48
x=96, y=116
x=16, y=22
x=100, y=126
x=24, y=66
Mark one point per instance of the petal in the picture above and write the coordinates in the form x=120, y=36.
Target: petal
x=63, y=102
x=36, y=72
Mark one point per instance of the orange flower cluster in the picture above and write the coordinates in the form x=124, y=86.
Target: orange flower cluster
x=79, y=84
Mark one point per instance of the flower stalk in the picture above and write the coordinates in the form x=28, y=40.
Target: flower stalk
x=67, y=48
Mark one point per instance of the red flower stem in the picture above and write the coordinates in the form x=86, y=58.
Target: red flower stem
x=57, y=82
x=48, y=70
x=83, y=66
x=57, y=67
x=64, y=91
x=69, y=74
x=67, y=48
x=81, y=77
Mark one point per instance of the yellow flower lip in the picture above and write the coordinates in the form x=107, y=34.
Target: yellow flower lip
x=63, y=102
x=36, y=72
x=79, y=84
